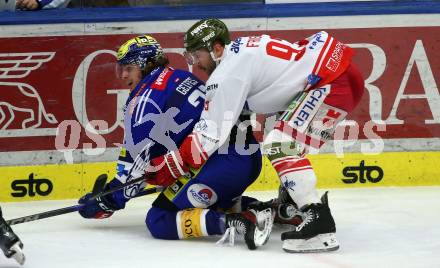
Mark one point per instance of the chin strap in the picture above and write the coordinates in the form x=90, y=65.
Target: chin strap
x=219, y=59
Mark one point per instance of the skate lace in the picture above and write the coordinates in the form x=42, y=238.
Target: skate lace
x=228, y=235
x=239, y=226
x=235, y=226
x=308, y=217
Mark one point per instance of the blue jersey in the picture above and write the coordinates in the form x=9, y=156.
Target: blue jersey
x=162, y=110
x=159, y=113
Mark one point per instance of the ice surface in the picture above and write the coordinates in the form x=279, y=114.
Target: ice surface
x=376, y=227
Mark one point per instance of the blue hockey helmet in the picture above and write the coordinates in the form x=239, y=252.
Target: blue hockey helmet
x=139, y=51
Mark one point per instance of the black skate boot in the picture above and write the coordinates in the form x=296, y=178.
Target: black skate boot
x=9, y=242
x=286, y=211
x=316, y=233
x=254, y=226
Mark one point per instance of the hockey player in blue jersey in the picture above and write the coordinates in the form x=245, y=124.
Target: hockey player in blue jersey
x=163, y=106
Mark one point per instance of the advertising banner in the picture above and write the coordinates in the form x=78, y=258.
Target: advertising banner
x=62, y=103
x=48, y=81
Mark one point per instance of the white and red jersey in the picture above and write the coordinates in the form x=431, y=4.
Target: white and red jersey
x=263, y=74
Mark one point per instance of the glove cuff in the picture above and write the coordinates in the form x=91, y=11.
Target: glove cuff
x=192, y=151
x=175, y=165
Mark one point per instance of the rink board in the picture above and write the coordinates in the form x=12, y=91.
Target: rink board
x=352, y=170
x=401, y=79
x=48, y=118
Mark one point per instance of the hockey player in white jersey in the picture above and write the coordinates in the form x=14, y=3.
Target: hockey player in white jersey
x=313, y=81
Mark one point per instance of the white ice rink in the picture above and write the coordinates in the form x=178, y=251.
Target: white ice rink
x=376, y=227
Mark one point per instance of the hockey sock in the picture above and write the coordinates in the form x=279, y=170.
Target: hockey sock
x=199, y=222
x=299, y=178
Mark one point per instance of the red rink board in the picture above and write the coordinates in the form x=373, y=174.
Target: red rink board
x=408, y=57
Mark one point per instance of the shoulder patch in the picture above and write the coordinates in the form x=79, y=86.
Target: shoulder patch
x=161, y=81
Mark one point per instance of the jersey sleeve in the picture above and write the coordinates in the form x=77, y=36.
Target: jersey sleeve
x=227, y=91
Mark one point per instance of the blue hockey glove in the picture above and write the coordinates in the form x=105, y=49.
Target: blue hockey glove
x=99, y=208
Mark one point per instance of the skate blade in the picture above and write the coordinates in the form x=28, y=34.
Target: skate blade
x=264, y=227
x=18, y=255
x=319, y=243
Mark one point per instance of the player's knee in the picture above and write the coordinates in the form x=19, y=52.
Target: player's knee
x=278, y=145
x=161, y=224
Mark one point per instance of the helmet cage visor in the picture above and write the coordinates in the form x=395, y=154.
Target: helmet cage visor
x=193, y=57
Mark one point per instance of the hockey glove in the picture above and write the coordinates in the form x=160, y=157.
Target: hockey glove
x=99, y=208
x=165, y=170
x=173, y=165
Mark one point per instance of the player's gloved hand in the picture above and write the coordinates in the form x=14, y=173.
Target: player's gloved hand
x=173, y=165
x=153, y=179
x=164, y=170
x=99, y=208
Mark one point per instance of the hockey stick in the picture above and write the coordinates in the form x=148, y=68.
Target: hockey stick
x=66, y=210
x=15, y=251
x=96, y=192
x=139, y=165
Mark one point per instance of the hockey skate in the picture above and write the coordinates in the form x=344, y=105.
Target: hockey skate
x=315, y=234
x=10, y=243
x=254, y=226
x=286, y=211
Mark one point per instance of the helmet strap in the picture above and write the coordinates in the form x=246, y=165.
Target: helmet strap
x=215, y=59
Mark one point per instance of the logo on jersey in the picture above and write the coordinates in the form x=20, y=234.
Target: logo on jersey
x=211, y=87
x=235, y=47
x=316, y=40
x=336, y=57
x=200, y=195
x=253, y=41
x=201, y=125
x=309, y=107
x=162, y=80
